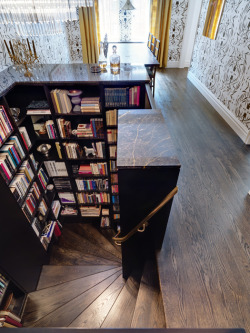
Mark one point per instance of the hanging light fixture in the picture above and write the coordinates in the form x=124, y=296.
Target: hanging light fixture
x=128, y=6
x=39, y=17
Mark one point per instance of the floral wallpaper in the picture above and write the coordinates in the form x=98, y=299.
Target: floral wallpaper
x=177, y=26
x=223, y=64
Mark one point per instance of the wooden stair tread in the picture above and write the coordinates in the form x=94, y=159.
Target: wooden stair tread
x=149, y=312
x=53, y=275
x=42, y=302
x=64, y=315
x=108, y=234
x=93, y=235
x=71, y=240
x=121, y=314
x=62, y=256
x=95, y=314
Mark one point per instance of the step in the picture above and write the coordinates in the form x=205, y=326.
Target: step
x=53, y=275
x=42, y=302
x=96, y=312
x=61, y=256
x=73, y=241
x=95, y=236
x=121, y=314
x=149, y=312
x=69, y=312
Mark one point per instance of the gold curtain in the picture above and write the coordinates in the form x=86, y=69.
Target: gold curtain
x=88, y=30
x=160, y=25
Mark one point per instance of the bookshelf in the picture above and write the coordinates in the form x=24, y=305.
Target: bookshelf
x=85, y=185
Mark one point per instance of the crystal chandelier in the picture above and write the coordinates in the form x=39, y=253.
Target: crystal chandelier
x=39, y=17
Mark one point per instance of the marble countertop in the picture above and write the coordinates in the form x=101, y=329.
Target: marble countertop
x=144, y=140
x=70, y=73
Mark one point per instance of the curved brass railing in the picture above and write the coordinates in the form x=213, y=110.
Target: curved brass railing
x=141, y=227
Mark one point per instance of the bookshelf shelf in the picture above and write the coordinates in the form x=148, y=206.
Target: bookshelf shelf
x=75, y=114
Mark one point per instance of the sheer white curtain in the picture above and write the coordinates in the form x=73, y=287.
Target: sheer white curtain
x=133, y=27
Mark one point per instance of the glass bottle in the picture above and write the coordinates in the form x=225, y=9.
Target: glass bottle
x=102, y=61
x=114, y=61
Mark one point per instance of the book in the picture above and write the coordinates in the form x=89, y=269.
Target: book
x=4, y=313
x=25, y=137
x=7, y=319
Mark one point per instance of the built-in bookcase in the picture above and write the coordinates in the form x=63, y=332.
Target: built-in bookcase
x=85, y=185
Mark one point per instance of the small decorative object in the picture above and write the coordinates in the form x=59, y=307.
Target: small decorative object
x=102, y=61
x=15, y=113
x=95, y=69
x=20, y=53
x=44, y=149
x=75, y=99
x=74, y=132
x=114, y=61
x=89, y=151
x=50, y=187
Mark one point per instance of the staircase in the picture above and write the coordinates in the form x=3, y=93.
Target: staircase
x=83, y=286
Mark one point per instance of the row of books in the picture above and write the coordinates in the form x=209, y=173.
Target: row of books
x=111, y=135
x=105, y=222
x=43, y=208
x=122, y=97
x=90, y=211
x=114, y=178
x=111, y=117
x=93, y=198
x=114, y=189
x=62, y=184
x=21, y=182
x=11, y=155
x=90, y=104
x=112, y=165
x=3, y=285
x=93, y=169
x=61, y=101
x=56, y=207
x=47, y=233
x=50, y=128
x=56, y=169
x=112, y=151
x=25, y=137
x=31, y=201
x=64, y=127
x=5, y=124
x=115, y=199
x=44, y=179
x=92, y=184
x=74, y=151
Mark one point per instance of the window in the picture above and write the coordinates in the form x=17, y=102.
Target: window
x=124, y=26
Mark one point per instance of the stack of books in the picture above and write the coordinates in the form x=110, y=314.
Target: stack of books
x=69, y=211
x=31, y=201
x=5, y=124
x=8, y=318
x=90, y=104
x=43, y=178
x=92, y=130
x=66, y=197
x=25, y=137
x=90, y=211
x=93, y=198
x=21, y=181
x=11, y=155
x=64, y=127
x=93, y=169
x=62, y=184
x=38, y=108
x=61, y=101
x=111, y=117
x=56, y=169
x=84, y=131
x=92, y=184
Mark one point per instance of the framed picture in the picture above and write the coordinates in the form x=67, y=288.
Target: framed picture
x=213, y=17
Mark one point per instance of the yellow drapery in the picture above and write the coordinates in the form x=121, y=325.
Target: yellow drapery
x=159, y=26
x=88, y=30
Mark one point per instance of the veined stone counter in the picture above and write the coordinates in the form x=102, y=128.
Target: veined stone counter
x=70, y=73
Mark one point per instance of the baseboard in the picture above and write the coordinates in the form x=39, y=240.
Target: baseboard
x=173, y=64
x=239, y=128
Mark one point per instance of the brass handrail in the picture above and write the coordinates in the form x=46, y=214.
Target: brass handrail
x=144, y=223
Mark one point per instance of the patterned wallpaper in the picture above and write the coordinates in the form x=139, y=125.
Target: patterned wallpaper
x=223, y=65
x=177, y=26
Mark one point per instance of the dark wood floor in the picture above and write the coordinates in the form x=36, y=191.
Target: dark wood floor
x=204, y=263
